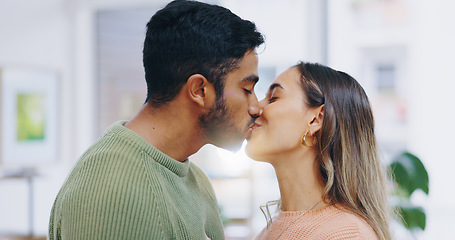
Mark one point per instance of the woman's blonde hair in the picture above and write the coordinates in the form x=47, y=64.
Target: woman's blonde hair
x=346, y=144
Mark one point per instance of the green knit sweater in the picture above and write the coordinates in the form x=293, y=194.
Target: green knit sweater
x=124, y=188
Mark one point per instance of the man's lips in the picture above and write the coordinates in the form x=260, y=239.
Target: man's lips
x=255, y=125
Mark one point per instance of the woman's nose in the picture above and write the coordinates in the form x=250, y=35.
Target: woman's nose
x=262, y=104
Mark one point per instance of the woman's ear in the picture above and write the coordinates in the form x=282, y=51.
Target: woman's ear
x=318, y=118
x=200, y=90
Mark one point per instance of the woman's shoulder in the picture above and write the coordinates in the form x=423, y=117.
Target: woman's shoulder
x=338, y=222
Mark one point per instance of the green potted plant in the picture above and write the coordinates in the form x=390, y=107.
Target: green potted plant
x=409, y=174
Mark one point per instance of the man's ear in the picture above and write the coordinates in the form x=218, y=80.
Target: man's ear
x=318, y=117
x=200, y=90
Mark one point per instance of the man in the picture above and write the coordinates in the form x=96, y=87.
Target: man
x=136, y=181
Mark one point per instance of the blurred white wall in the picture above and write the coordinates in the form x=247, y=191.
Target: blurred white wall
x=425, y=30
x=55, y=35
x=432, y=108
x=36, y=35
x=59, y=35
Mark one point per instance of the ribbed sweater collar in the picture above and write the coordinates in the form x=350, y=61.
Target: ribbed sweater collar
x=312, y=213
x=179, y=168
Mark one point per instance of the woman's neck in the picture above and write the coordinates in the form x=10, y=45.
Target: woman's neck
x=300, y=182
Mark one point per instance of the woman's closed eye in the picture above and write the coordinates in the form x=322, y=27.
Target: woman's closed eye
x=272, y=99
x=273, y=92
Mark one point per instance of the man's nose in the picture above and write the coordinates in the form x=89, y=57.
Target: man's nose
x=253, y=108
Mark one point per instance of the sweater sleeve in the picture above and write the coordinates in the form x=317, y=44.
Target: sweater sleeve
x=349, y=226
x=350, y=232
x=205, y=182
x=107, y=199
x=215, y=226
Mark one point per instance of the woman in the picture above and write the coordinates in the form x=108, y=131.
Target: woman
x=317, y=131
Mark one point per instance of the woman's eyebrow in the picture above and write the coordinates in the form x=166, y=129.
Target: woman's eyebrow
x=275, y=85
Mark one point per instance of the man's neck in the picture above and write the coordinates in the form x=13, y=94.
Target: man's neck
x=172, y=130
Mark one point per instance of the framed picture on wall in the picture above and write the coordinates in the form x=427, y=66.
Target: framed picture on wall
x=28, y=117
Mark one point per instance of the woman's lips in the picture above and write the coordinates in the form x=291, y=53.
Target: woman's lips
x=255, y=125
x=251, y=128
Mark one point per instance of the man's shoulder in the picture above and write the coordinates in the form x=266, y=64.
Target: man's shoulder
x=113, y=144
x=109, y=159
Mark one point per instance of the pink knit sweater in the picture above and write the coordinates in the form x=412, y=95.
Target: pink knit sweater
x=332, y=222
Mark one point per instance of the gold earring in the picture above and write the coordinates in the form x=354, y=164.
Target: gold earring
x=304, y=140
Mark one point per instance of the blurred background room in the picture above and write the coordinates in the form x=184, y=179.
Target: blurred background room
x=71, y=68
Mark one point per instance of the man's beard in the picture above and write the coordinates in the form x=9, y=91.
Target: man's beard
x=220, y=128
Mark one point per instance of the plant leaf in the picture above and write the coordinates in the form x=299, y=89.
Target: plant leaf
x=412, y=217
x=409, y=173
